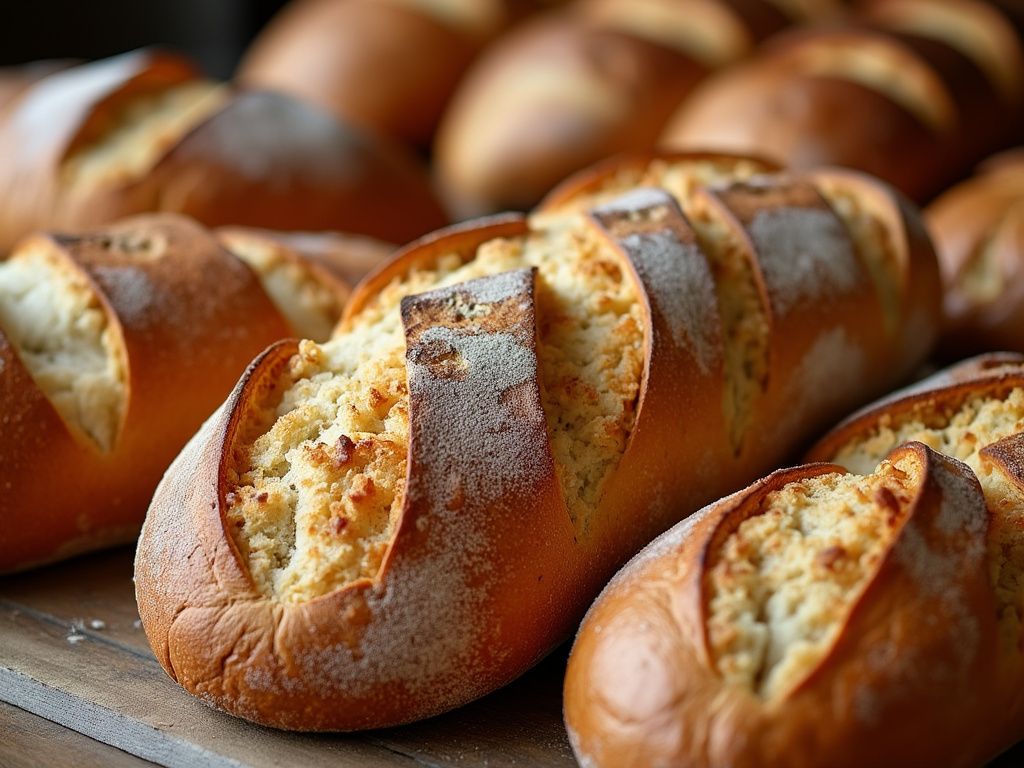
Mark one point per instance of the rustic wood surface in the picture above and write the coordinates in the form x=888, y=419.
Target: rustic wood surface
x=75, y=664
x=82, y=688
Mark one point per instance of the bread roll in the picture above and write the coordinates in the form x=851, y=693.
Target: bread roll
x=938, y=80
x=574, y=87
x=114, y=346
x=406, y=517
x=851, y=615
x=142, y=132
x=388, y=66
x=978, y=227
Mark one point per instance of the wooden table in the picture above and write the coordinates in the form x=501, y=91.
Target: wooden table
x=86, y=691
x=82, y=688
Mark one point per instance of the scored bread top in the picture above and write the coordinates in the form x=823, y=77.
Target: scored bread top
x=60, y=326
x=133, y=138
x=307, y=526
x=779, y=587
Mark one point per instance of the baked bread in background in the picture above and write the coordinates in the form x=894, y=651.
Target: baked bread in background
x=572, y=87
x=143, y=132
x=410, y=515
x=978, y=227
x=388, y=66
x=861, y=614
x=913, y=91
x=115, y=345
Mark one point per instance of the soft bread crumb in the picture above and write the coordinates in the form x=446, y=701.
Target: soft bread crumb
x=744, y=318
x=140, y=133
x=962, y=431
x=61, y=332
x=873, y=243
x=292, y=508
x=311, y=308
x=780, y=586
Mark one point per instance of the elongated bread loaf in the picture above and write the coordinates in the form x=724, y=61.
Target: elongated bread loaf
x=861, y=614
x=385, y=526
x=594, y=79
x=978, y=228
x=114, y=346
x=914, y=91
x=143, y=132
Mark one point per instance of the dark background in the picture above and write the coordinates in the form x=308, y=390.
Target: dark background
x=214, y=32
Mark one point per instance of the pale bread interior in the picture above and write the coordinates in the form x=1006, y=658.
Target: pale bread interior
x=873, y=242
x=140, y=133
x=60, y=330
x=780, y=587
x=962, y=432
x=315, y=504
x=311, y=307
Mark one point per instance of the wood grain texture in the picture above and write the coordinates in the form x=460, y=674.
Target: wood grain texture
x=28, y=741
x=72, y=653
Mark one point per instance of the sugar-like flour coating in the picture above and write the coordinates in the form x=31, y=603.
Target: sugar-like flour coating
x=315, y=505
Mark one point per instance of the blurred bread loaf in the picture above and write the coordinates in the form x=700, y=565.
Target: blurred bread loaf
x=144, y=132
x=410, y=515
x=115, y=345
x=861, y=614
x=915, y=92
x=978, y=227
x=388, y=66
x=578, y=85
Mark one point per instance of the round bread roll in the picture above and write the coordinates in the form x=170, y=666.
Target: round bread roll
x=978, y=228
x=572, y=88
x=388, y=66
x=143, y=132
x=115, y=345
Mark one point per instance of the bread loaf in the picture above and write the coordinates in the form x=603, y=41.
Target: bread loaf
x=385, y=526
x=979, y=234
x=573, y=87
x=143, y=132
x=864, y=612
x=915, y=92
x=388, y=66
x=114, y=346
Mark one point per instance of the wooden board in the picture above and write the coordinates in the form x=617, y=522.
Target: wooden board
x=86, y=690
x=73, y=657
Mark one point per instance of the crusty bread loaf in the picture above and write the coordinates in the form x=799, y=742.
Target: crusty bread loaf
x=939, y=80
x=573, y=87
x=388, y=66
x=978, y=227
x=410, y=515
x=822, y=617
x=114, y=346
x=143, y=132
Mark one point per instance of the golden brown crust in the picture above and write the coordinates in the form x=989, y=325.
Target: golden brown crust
x=802, y=100
x=978, y=227
x=188, y=316
x=252, y=158
x=326, y=51
x=347, y=258
x=641, y=688
x=571, y=88
x=480, y=445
